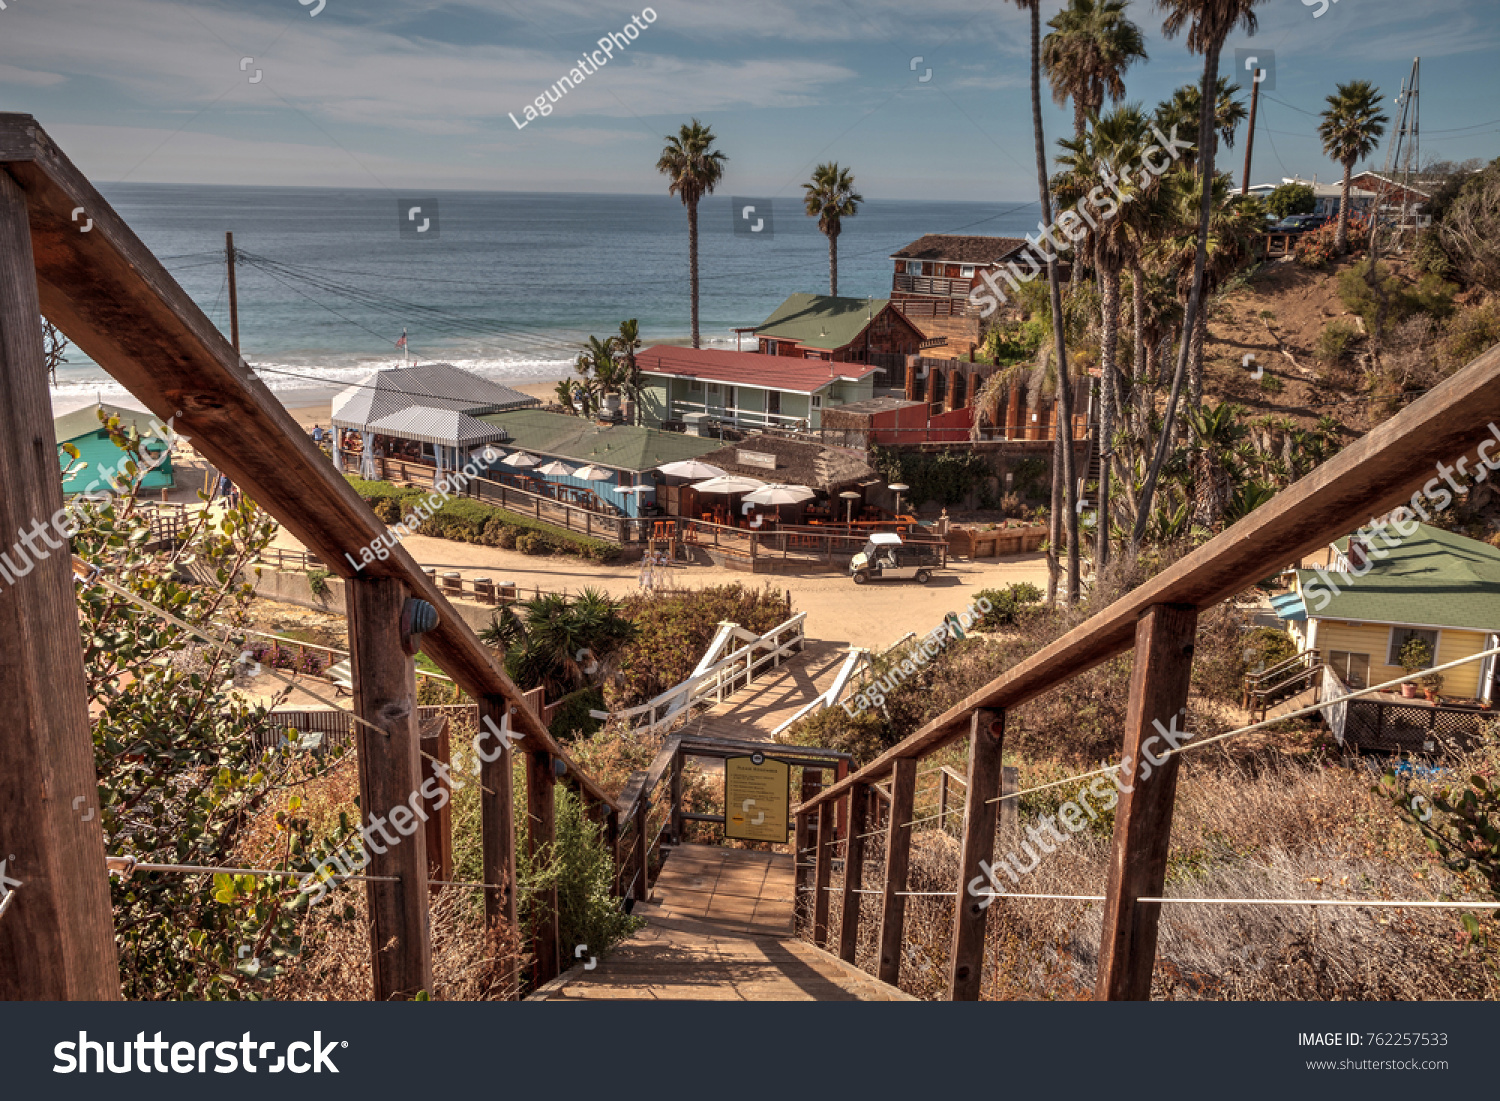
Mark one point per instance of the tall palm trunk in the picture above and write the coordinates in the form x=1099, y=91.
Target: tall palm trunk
x=1200, y=337
x=1063, y=449
x=693, y=264
x=1138, y=362
x=833, y=265
x=1195, y=299
x=1109, y=389
x=1341, y=242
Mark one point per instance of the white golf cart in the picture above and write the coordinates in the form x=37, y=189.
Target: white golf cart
x=886, y=556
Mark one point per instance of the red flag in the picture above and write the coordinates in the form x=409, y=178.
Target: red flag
x=402, y=342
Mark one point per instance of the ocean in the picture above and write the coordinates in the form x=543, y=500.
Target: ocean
x=507, y=284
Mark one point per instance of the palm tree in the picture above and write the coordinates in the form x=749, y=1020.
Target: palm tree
x=563, y=639
x=564, y=393
x=1185, y=108
x=1351, y=128
x=1215, y=434
x=1064, y=497
x=627, y=343
x=601, y=374
x=830, y=199
x=1094, y=163
x=695, y=169
x=1209, y=23
x=1087, y=53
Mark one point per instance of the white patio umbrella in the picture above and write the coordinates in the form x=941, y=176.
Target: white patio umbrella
x=556, y=469
x=691, y=468
x=592, y=473
x=780, y=495
x=728, y=483
x=519, y=459
x=632, y=489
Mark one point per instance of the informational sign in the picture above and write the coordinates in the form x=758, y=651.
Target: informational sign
x=756, y=458
x=757, y=798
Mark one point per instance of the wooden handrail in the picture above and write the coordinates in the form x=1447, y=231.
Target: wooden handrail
x=1368, y=478
x=113, y=298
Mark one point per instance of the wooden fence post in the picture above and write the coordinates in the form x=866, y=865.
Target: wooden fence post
x=57, y=938
x=854, y=871
x=823, y=877
x=541, y=833
x=1143, y=819
x=497, y=816
x=676, y=827
x=642, y=890
x=390, y=776
x=986, y=741
x=612, y=840
x=897, y=862
x=438, y=828
x=1010, y=810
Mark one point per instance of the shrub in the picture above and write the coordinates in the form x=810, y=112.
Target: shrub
x=946, y=477
x=317, y=581
x=532, y=542
x=1004, y=603
x=1334, y=341
x=1293, y=198
x=1270, y=384
x=1394, y=298
x=1316, y=249
x=572, y=718
x=1472, y=332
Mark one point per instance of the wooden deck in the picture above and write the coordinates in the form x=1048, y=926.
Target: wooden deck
x=719, y=928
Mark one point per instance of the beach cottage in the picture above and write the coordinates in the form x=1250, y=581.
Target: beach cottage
x=1376, y=594
x=98, y=458
x=424, y=414
x=841, y=330
x=698, y=388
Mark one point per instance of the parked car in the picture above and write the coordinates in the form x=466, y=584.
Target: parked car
x=886, y=556
x=1300, y=223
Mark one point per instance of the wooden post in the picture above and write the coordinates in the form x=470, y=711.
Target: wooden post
x=897, y=862
x=854, y=871
x=541, y=833
x=1010, y=810
x=390, y=780
x=676, y=827
x=612, y=840
x=497, y=815
x=840, y=771
x=812, y=783
x=942, y=798
x=823, y=877
x=1143, y=819
x=438, y=828
x=642, y=891
x=57, y=937
x=986, y=741
x=234, y=298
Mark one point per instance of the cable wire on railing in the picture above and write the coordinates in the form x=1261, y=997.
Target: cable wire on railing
x=1393, y=904
x=126, y=866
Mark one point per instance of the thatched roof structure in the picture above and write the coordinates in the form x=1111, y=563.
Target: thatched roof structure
x=797, y=462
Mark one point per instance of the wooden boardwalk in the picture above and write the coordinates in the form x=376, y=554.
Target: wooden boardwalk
x=719, y=928
x=752, y=713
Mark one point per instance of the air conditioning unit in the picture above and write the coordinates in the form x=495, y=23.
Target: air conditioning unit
x=697, y=424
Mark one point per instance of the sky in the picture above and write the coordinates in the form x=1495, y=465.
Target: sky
x=925, y=100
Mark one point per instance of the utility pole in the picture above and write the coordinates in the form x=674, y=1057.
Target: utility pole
x=1250, y=137
x=234, y=300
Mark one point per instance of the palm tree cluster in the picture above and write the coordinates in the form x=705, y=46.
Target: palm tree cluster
x=606, y=368
x=559, y=642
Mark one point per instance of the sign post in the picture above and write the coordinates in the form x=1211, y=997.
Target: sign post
x=757, y=798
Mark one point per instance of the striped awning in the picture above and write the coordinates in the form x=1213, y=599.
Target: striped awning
x=1289, y=606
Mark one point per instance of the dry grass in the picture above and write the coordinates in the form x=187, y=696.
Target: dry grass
x=1279, y=829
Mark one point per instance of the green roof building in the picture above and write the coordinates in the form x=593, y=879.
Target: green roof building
x=846, y=330
x=98, y=458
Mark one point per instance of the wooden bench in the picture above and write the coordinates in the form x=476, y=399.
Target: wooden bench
x=342, y=676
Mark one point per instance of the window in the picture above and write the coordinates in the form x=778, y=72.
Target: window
x=914, y=267
x=1401, y=635
x=773, y=402
x=695, y=386
x=966, y=271
x=817, y=401
x=713, y=388
x=1352, y=669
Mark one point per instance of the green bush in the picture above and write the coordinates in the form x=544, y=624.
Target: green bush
x=1334, y=341
x=572, y=718
x=946, y=477
x=1004, y=603
x=1431, y=295
x=1293, y=198
x=469, y=521
x=1472, y=332
x=1270, y=383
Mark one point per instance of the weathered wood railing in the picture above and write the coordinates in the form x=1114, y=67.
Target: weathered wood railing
x=1384, y=469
